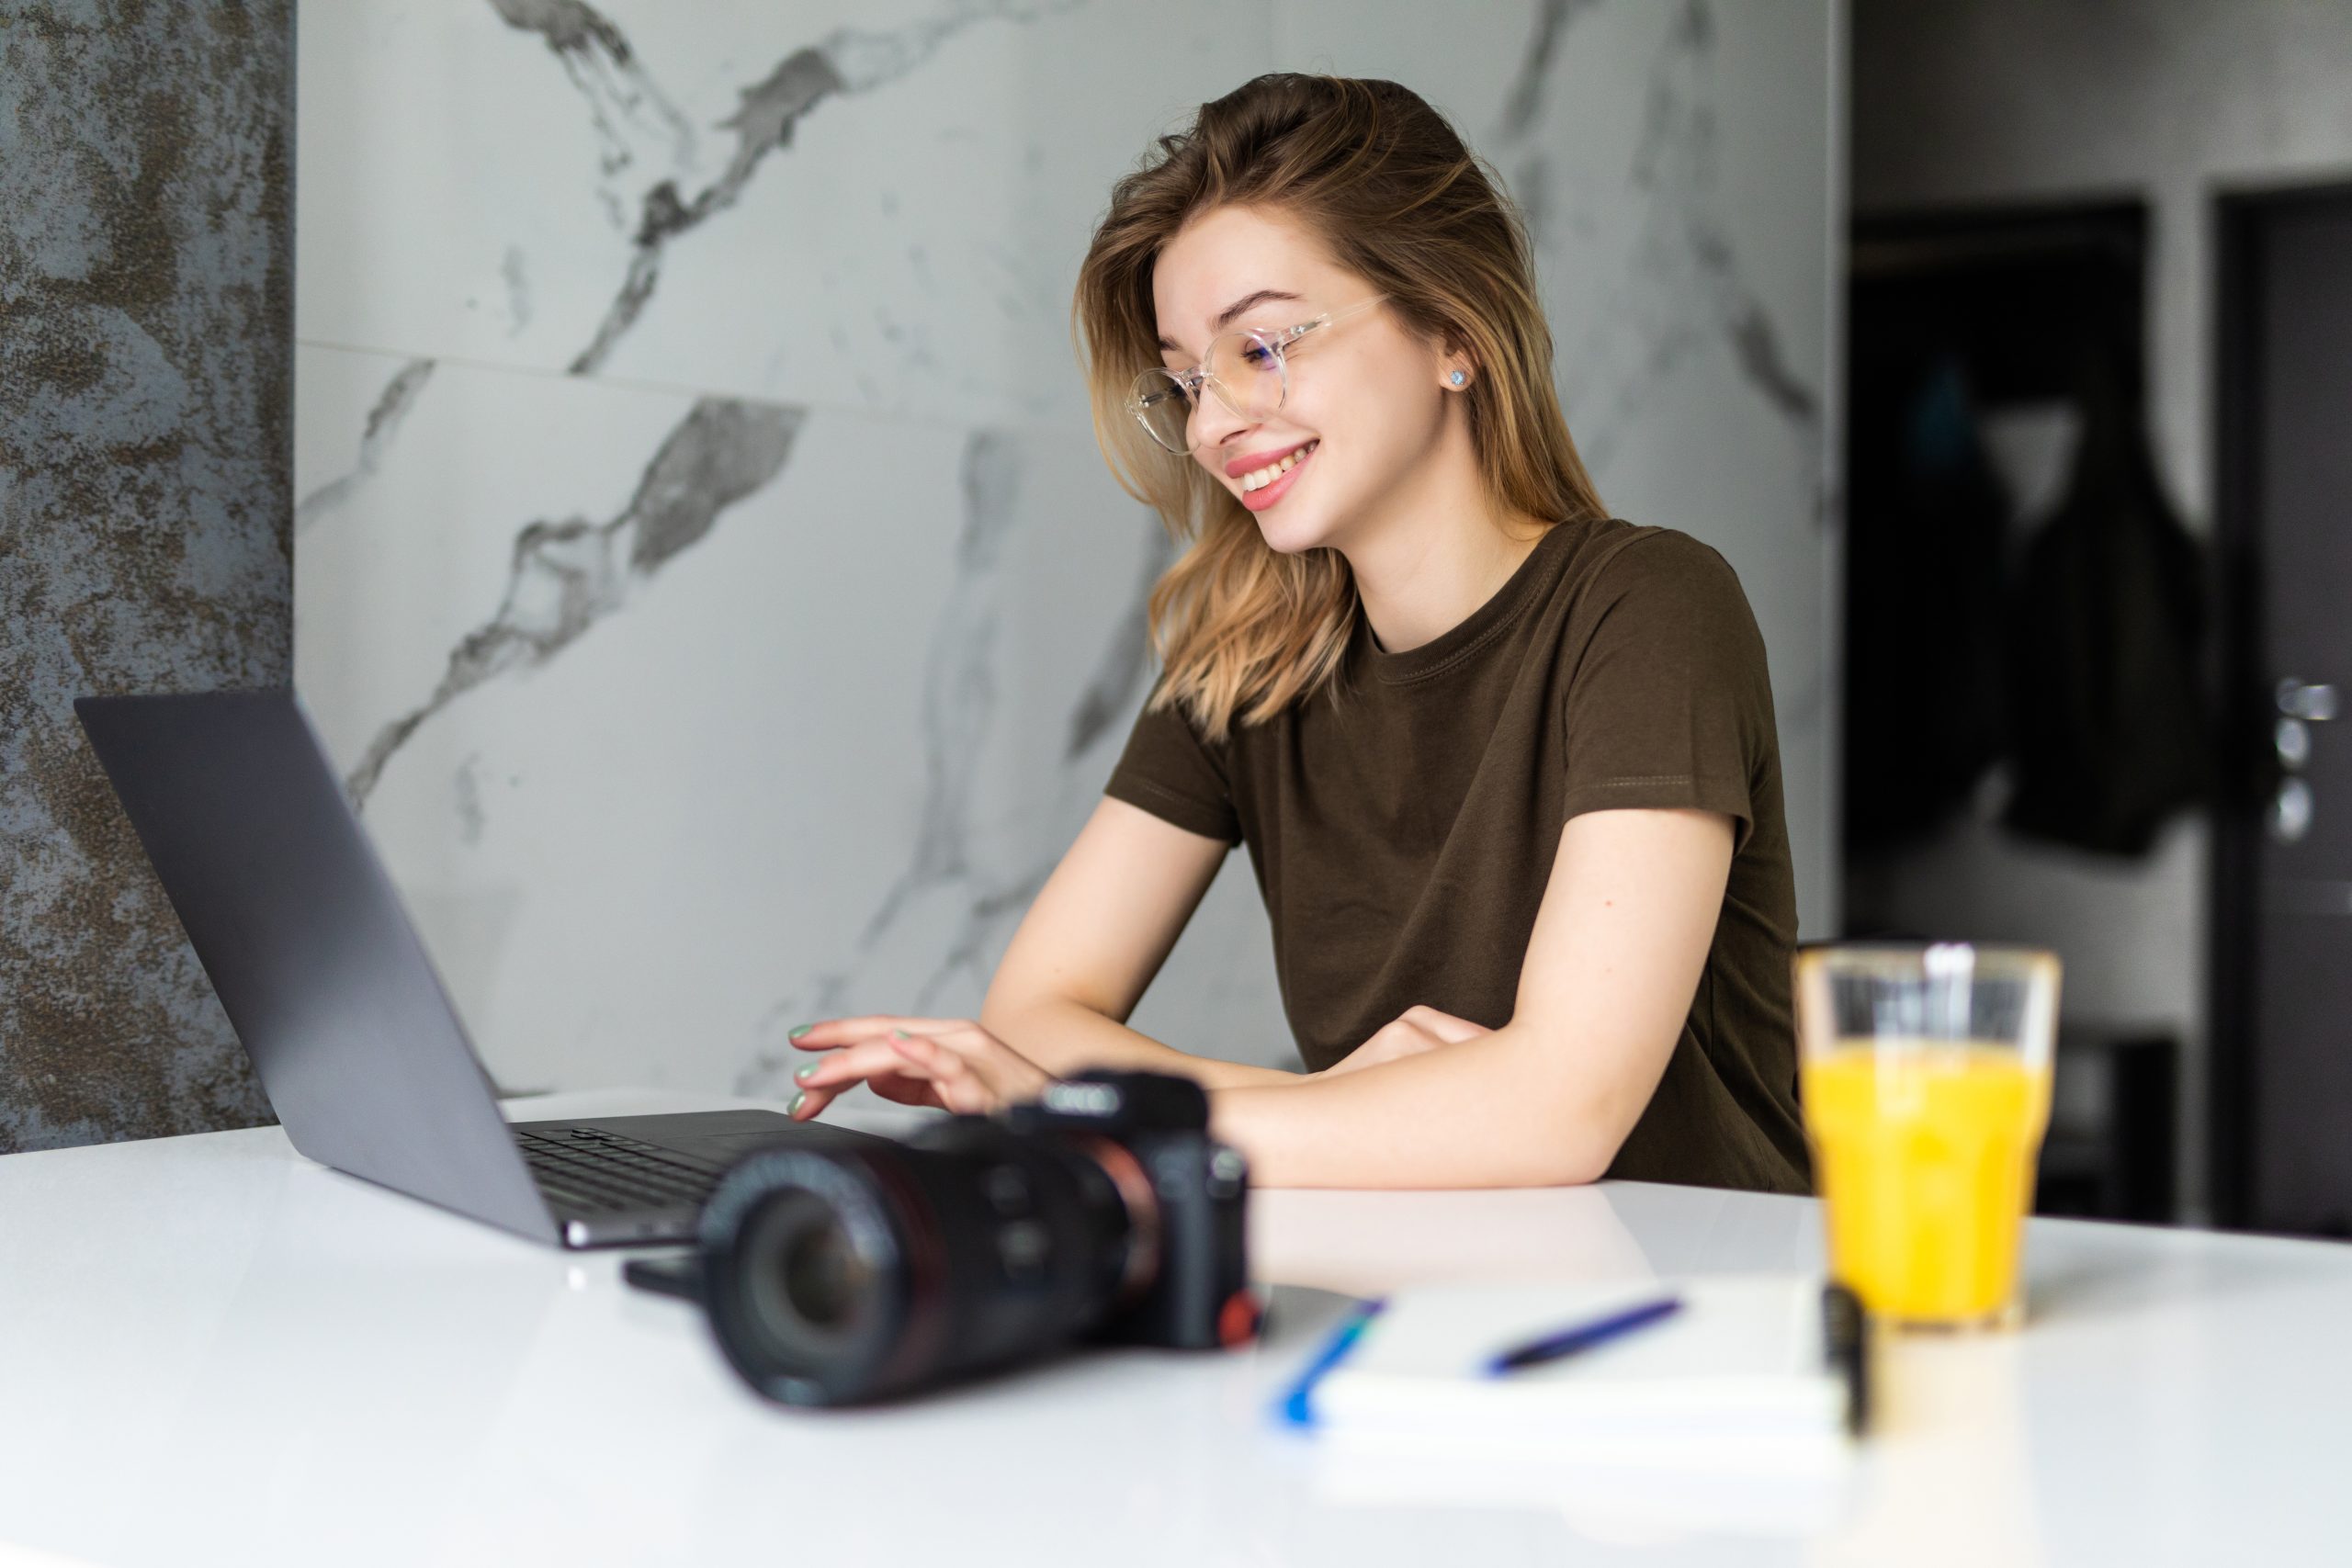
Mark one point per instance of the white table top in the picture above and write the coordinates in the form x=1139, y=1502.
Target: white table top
x=212, y=1350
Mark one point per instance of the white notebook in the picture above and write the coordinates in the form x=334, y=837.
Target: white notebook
x=1745, y=1374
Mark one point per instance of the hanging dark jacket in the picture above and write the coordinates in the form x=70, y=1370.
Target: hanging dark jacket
x=2107, y=721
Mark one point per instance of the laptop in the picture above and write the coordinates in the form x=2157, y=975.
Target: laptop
x=324, y=981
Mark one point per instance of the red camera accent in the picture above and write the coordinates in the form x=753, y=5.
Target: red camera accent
x=1237, y=1321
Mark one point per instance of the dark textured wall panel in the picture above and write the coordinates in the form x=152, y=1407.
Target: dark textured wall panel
x=146, y=326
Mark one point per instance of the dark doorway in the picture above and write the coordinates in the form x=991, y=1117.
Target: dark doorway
x=1985, y=697
x=2282, y=870
x=1955, y=317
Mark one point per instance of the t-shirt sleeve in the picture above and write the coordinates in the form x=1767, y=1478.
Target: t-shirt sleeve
x=1170, y=770
x=1669, y=702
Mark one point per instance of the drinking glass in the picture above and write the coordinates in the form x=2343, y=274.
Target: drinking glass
x=1924, y=1075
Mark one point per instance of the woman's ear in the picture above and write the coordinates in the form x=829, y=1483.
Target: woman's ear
x=1455, y=369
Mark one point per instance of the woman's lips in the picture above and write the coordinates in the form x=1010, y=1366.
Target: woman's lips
x=1259, y=500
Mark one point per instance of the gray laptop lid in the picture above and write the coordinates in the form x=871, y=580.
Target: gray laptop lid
x=285, y=902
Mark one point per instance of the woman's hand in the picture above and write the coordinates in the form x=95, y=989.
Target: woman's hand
x=951, y=1063
x=1416, y=1029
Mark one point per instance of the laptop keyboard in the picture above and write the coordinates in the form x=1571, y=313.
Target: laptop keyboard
x=590, y=1169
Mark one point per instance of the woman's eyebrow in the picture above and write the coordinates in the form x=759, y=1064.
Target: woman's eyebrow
x=1224, y=318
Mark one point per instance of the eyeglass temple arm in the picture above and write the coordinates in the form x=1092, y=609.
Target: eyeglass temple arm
x=1332, y=318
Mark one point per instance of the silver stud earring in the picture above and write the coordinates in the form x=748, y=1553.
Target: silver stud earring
x=1459, y=377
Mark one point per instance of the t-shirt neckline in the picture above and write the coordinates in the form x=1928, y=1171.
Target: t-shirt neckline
x=1470, y=634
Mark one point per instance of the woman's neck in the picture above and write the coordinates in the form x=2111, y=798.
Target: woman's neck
x=1437, y=552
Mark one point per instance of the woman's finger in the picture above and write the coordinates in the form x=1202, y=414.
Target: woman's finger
x=825, y=1079
x=1005, y=1070
x=960, y=1035
x=906, y=1088
x=901, y=1088
x=834, y=1031
x=808, y=1104
x=999, y=1064
x=844, y=1064
x=893, y=1079
x=963, y=1067
x=959, y=1087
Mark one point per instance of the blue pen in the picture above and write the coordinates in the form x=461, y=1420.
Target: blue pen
x=1583, y=1336
x=1296, y=1404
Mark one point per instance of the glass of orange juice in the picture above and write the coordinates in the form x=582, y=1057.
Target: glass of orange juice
x=1925, y=1077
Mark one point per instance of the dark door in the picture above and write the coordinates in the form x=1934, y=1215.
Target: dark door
x=2283, y=906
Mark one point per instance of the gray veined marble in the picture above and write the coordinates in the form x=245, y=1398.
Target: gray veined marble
x=567, y=575
x=513, y=272
x=849, y=61
x=1756, y=345
x=393, y=406
x=622, y=99
x=961, y=705
x=1684, y=288
x=1524, y=100
x=1125, y=661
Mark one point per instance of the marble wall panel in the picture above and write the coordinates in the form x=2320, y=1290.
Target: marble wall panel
x=872, y=205
x=705, y=573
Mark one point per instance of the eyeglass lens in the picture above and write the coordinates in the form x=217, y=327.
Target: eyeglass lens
x=1242, y=370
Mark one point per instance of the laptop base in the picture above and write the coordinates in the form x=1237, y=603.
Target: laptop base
x=638, y=1180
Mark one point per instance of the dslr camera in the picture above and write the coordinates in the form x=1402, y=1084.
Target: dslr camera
x=1101, y=1212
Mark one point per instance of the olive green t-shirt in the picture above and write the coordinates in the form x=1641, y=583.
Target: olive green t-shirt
x=1403, y=821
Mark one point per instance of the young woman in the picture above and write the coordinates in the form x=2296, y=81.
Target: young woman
x=1506, y=767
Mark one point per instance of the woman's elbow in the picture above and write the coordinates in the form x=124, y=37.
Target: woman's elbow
x=1586, y=1153
x=1589, y=1122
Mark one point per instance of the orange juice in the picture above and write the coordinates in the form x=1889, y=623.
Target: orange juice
x=1925, y=1151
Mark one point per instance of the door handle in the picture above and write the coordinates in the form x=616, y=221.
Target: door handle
x=2300, y=706
x=2292, y=739
x=2314, y=704
x=2290, y=812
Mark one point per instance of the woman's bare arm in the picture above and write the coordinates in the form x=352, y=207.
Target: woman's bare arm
x=1612, y=967
x=1090, y=944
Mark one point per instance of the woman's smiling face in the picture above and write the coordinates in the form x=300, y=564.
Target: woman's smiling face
x=1366, y=400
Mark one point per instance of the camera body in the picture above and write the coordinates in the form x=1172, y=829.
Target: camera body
x=1101, y=1212
x=1200, y=1189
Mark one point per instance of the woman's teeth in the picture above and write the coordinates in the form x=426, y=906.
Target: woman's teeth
x=1260, y=479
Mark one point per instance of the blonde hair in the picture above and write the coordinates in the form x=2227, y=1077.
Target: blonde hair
x=1378, y=176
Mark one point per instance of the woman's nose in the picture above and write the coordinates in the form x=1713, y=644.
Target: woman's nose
x=1213, y=427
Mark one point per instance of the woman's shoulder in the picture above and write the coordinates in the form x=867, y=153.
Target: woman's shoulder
x=1615, y=565
x=1645, y=551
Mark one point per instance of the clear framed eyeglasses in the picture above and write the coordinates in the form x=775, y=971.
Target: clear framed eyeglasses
x=1249, y=371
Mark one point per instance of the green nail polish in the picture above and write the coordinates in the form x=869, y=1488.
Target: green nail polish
x=797, y=1101
x=903, y=1035
x=804, y=1071
x=799, y=1032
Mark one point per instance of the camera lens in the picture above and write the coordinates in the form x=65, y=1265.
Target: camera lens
x=821, y=1275
x=804, y=1274
x=839, y=1276
x=808, y=1280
